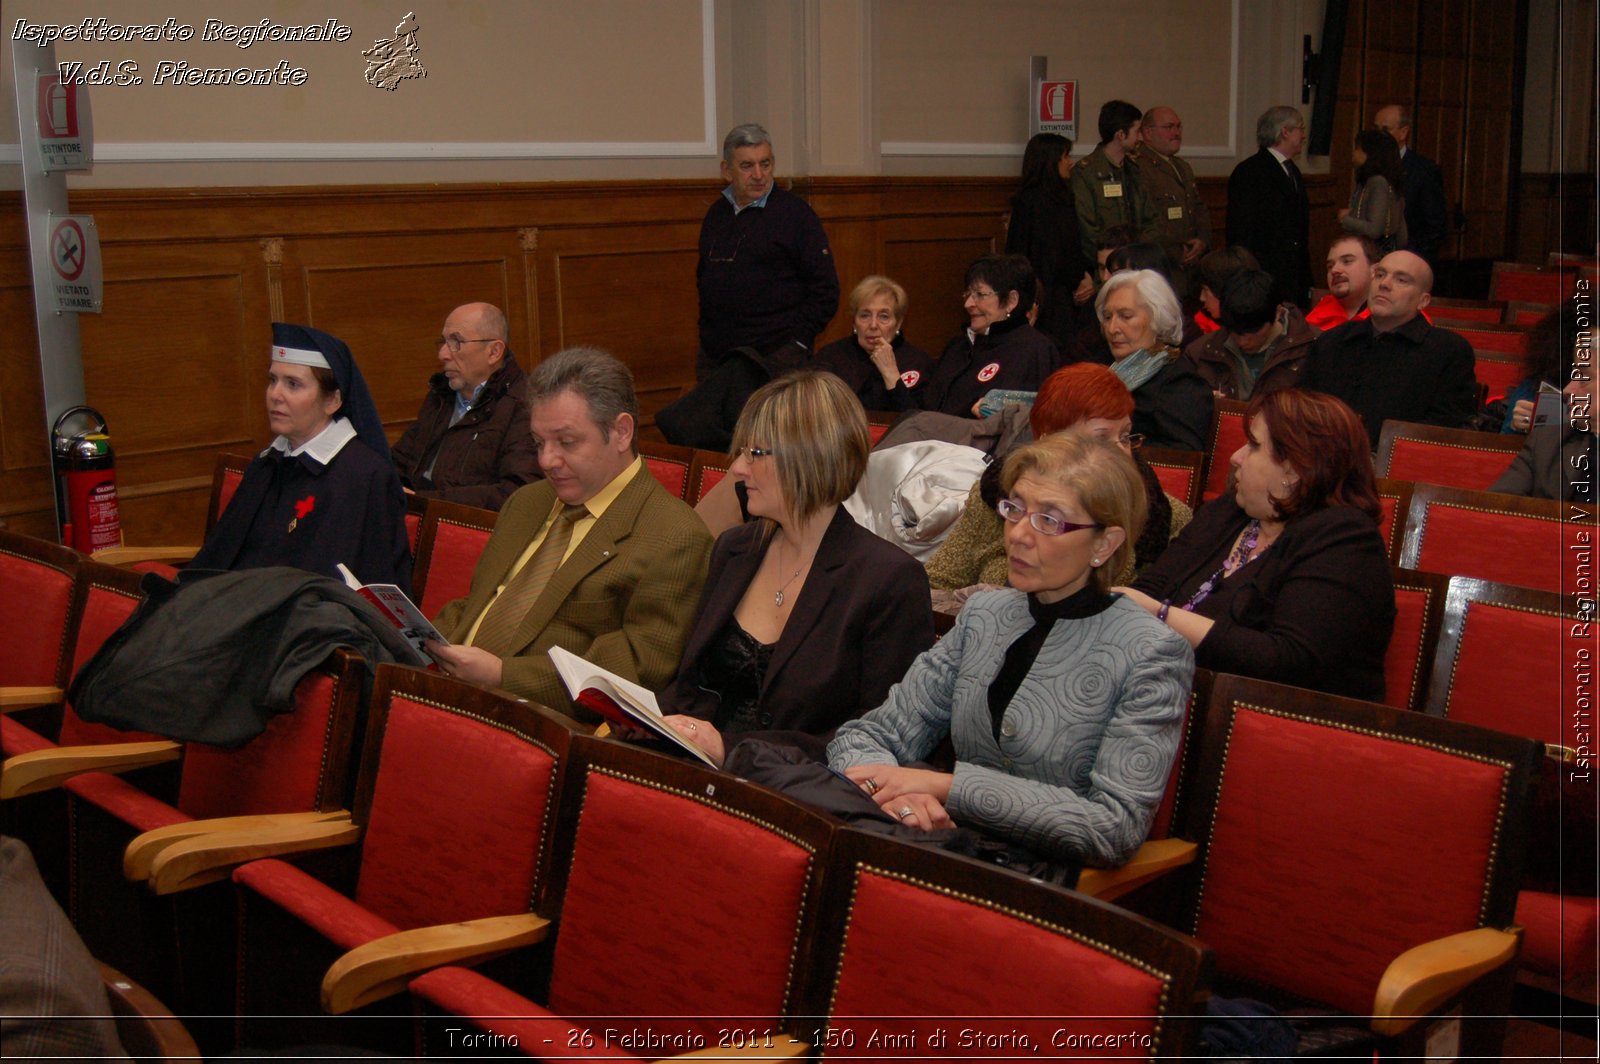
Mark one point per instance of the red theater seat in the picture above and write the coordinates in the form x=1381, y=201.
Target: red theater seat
x=456, y=797
x=1014, y=965
x=1457, y=458
x=1227, y=436
x=452, y=538
x=1419, y=609
x=1180, y=472
x=669, y=464
x=1310, y=812
x=1504, y=538
x=1509, y=659
x=733, y=874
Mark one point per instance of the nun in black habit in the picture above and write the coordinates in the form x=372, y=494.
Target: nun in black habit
x=325, y=491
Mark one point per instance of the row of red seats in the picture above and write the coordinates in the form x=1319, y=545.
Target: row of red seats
x=320, y=829
x=708, y=910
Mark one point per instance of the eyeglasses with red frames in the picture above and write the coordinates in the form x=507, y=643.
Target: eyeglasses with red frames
x=1011, y=511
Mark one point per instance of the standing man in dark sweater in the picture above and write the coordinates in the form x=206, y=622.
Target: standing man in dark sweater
x=1394, y=365
x=767, y=288
x=766, y=274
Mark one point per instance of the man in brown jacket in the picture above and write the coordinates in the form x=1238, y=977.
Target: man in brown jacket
x=470, y=443
x=1262, y=345
x=597, y=558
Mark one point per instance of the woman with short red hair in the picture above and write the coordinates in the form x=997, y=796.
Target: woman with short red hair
x=1287, y=578
x=1084, y=397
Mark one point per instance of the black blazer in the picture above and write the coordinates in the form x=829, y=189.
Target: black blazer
x=862, y=617
x=1427, y=213
x=1316, y=610
x=1173, y=408
x=1271, y=217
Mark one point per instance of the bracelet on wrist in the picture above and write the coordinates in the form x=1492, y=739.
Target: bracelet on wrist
x=1161, y=614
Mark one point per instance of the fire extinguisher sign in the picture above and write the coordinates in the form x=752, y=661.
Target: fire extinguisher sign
x=65, y=141
x=1055, y=108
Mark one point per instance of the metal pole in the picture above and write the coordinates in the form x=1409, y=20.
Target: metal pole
x=45, y=193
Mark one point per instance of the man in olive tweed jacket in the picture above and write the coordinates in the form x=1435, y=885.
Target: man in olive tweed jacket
x=625, y=592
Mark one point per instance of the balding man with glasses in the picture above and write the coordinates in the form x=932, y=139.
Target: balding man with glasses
x=471, y=442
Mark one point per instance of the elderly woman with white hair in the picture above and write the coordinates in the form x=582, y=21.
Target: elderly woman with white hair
x=1143, y=325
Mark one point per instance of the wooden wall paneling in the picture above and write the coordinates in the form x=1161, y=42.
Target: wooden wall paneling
x=857, y=253
x=1389, y=72
x=172, y=364
x=525, y=324
x=196, y=276
x=629, y=290
x=1440, y=119
x=25, y=494
x=921, y=232
x=930, y=261
x=386, y=297
x=1492, y=138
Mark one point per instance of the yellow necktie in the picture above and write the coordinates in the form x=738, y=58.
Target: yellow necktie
x=498, y=631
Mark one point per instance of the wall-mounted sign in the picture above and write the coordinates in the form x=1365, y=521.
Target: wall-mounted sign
x=66, y=134
x=1055, y=108
x=74, y=250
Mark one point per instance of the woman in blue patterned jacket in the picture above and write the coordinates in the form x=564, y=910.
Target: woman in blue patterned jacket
x=1063, y=700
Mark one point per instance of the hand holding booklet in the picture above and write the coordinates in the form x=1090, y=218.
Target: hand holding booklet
x=620, y=701
x=401, y=612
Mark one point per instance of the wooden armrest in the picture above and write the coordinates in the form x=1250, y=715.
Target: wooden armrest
x=1153, y=860
x=1424, y=977
x=203, y=859
x=782, y=1047
x=15, y=698
x=124, y=556
x=385, y=966
x=42, y=770
x=141, y=853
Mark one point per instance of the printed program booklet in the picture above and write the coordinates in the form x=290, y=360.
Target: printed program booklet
x=399, y=609
x=620, y=701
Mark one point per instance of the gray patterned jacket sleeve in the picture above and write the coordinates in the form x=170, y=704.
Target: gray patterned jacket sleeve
x=1085, y=745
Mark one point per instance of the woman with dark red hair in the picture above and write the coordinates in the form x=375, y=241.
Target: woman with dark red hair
x=1084, y=397
x=1287, y=579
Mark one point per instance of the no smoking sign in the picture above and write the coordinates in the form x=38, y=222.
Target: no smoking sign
x=74, y=250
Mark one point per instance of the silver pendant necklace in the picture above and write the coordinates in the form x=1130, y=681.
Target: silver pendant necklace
x=777, y=596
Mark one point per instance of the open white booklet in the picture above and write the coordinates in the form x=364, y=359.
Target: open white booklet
x=620, y=701
x=398, y=607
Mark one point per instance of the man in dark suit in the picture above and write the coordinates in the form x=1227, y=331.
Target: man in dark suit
x=1427, y=216
x=1268, y=211
x=596, y=558
x=1394, y=365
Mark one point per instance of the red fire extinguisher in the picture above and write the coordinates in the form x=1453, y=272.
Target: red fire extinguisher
x=88, y=496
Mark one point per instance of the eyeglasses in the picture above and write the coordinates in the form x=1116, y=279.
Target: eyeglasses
x=720, y=251
x=454, y=342
x=753, y=452
x=1131, y=440
x=978, y=294
x=1011, y=510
